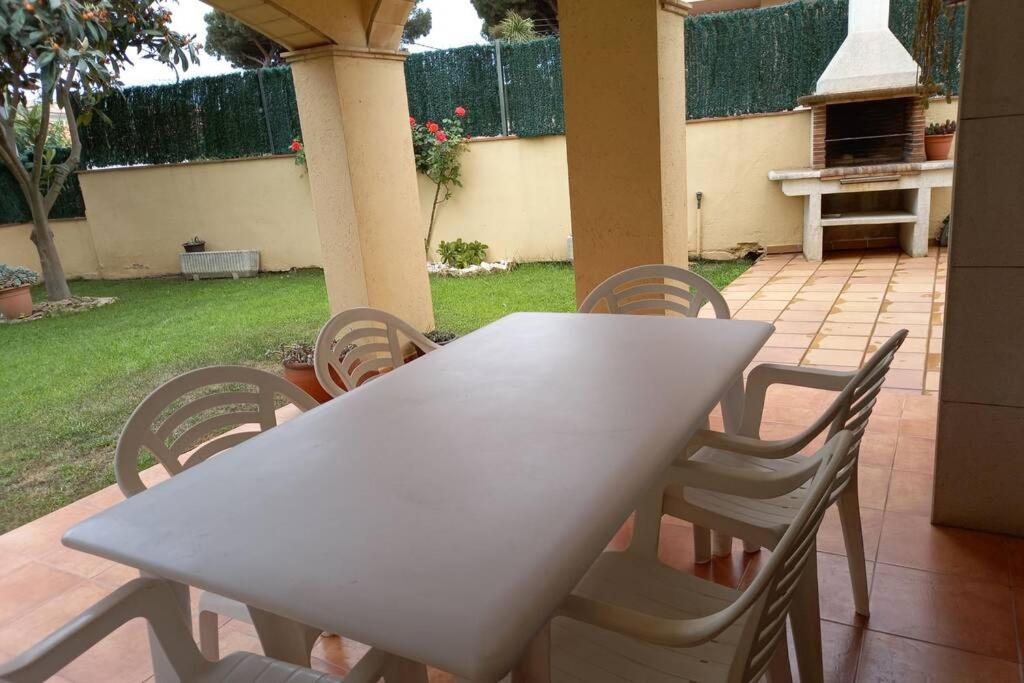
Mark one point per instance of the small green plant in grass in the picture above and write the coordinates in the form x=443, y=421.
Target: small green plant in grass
x=461, y=254
x=17, y=276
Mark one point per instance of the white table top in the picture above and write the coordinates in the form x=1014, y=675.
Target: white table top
x=444, y=510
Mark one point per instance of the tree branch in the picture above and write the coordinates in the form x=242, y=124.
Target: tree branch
x=38, y=153
x=63, y=170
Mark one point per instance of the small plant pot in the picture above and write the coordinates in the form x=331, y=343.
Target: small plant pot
x=936, y=147
x=304, y=377
x=16, y=302
x=194, y=247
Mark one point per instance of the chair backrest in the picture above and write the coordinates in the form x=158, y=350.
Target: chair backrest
x=770, y=594
x=359, y=344
x=179, y=418
x=853, y=412
x=655, y=289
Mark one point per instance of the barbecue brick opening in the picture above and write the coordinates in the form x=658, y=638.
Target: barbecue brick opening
x=868, y=132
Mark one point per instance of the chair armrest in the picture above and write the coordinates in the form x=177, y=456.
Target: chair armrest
x=151, y=599
x=745, y=445
x=738, y=481
x=765, y=375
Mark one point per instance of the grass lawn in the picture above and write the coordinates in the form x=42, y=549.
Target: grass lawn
x=69, y=383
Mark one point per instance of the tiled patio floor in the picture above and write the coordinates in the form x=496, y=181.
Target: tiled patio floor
x=944, y=601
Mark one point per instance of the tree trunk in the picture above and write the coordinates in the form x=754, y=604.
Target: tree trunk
x=430, y=228
x=42, y=236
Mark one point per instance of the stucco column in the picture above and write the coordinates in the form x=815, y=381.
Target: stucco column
x=354, y=113
x=625, y=119
x=979, y=468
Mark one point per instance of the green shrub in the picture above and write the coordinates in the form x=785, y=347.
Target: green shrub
x=460, y=254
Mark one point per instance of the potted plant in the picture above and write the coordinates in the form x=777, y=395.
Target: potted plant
x=195, y=245
x=938, y=137
x=15, y=297
x=297, y=361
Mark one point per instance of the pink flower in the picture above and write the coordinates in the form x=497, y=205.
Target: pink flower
x=296, y=146
x=412, y=121
x=460, y=111
x=441, y=136
x=433, y=127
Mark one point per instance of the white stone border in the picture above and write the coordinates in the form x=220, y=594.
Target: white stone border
x=485, y=268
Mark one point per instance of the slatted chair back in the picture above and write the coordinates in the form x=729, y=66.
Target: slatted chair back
x=853, y=416
x=655, y=289
x=199, y=414
x=359, y=344
x=774, y=586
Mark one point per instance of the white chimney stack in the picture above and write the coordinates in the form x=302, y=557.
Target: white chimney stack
x=871, y=57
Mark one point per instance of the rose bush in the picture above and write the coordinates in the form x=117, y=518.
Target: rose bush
x=438, y=148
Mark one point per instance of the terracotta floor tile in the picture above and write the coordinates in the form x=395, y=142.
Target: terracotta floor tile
x=830, y=535
x=25, y=631
x=42, y=536
x=83, y=564
x=910, y=492
x=835, y=590
x=847, y=329
x=342, y=653
x=810, y=306
x=809, y=294
x=29, y=586
x=954, y=611
x=910, y=344
x=907, y=307
x=803, y=316
x=873, y=486
x=908, y=361
x=931, y=382
x=840, y=342
x=887, y=659
x=912, y=541
x=847, y=297
x=793, y=341
x=852, y=317
x=922, y=427
x=915, y=454
x=772, y=295
x=878, y=449
x=904, y=379
x=10, y=561
x=817, y=356
x=778, y=355
x=857, y=306
x=755, y=314
x=116, y=575
x=765, y=304
x=886, y=330
x=889, y=403
x=789, y=327
x=905, y=318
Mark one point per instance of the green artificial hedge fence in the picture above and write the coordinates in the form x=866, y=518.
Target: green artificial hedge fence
x=13, y=208
x=742, y=62
x=219, y=117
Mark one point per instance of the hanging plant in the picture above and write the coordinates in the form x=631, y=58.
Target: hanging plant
x=930, y=42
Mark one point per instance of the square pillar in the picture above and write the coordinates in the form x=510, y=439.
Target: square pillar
x=355, y=125
x=979, y=468
x=625, y=119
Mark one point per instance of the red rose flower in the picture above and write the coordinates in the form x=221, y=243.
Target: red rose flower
x=433, y=127
x=441, y=136
x=295, y=146
x=460, y=111
x=412, y=121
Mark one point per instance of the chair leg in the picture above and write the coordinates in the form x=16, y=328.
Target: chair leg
x=701, y=544
x=209, y=638
x=805, y=618
x=732, y=407
x=647, y=523
x=405, y=671
x=722, y=544
x=778, y=669
x=283, y=638
x=853, y=536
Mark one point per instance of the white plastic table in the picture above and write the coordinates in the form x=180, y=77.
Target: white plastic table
x=443, y=511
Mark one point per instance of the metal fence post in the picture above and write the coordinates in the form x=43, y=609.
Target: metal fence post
x=502, y=105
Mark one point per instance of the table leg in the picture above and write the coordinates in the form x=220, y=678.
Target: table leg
x=163, y=672
x=401, y=670
x=535, y=664
x=283, y=638
x=732, y=407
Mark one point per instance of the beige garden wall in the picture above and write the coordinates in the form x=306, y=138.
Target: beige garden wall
x=515, y=198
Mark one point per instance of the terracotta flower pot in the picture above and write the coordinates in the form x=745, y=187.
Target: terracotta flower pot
x=304, y=377
x=15, y=302
x=936, y=147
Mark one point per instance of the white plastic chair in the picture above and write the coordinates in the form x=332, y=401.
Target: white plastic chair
x=154, y=601
x=632, y=618
x=703, y=487
x=359, y=344
x=176, y=422
x=667, y=290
